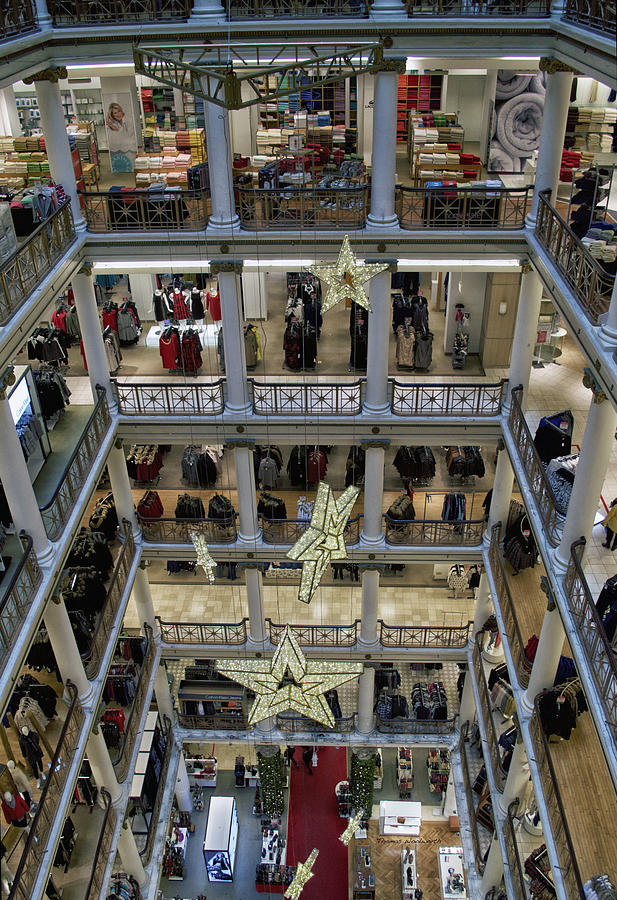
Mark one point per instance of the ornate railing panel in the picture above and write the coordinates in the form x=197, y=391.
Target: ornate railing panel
x=141, y=696
x=589, y=628
x=455, y=8
x=170, y=399
x=16, y=17
x=302, y=398
x=471, y=806
x=25, y=269
x=266, y=9
x=103, y=849
x=301, y=723
x=426, y=533
x=453, y=636
x=296, y=207
x=115, y=592
x=597, y=14
x=55, y=513
x=416, y=399
x=168, y=210
x=211, y=723
x=508, y=610
x=517, y=872
x=18, y=596
x=589, y=281
x=568, y=866
x=415, y=726
x=178, y=531
x=543, y=495
x=203, y=632
x=318, y=635
x=486, y=707
x=35, y=851
x=155, y=816
x=287, y=531
x=458, y=207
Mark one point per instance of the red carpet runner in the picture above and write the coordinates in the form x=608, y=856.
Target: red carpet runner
x=314, y=822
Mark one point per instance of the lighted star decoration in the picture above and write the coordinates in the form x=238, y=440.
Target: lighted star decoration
x=290, y=681
x=346, y=277
x=352, y=827
x=203, y=555
x=303, y=873
x=324, y=539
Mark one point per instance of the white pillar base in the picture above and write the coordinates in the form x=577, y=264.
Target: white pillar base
x=377, y=224
x=379, y=541
x=608, y=338
x=369, y=410
x=220, y=226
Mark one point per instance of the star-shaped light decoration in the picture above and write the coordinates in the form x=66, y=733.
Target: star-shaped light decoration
x=352, y=827
x=203, y=555
x=303, y=873
x=324, y=539
x=346, y=277
x=290, y=681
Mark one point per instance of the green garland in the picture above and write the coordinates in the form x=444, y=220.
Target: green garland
x=272, y=778
x=361, y=782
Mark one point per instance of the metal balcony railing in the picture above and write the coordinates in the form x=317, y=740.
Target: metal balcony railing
x=103, y=849
x=131, y=732
x=449, y=399
x=35, y=850
x=203, y=632
x=117, y=12
x=16, y=17
x=169, y=398
x=18, y=596
x=292, y=207
x=56, y=512
x=415, y=726
x=178, y=531
x=499, y=773
x=568, y=866
x=109, y=612
x=589, y=281
x=539, y=485
x=287, y=531
x=426, y=533
x=600, y=654
x=317, y=635
x=508, y=610
x=458, y=207
x=530, y=9
x=161, y=791
x=144, y=210
x=517, y=873
x=266, y=9
x=410, y=636
x=300, y=723
x=596, y=14
x=471, y=806
x=306, y=398
x=22, y=272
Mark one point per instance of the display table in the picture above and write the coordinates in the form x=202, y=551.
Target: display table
x=409, y=875
x=221, y=839
x=452, y=874
x=363, y=876
x=203, y=771
x=208, y=334
x=391, y=811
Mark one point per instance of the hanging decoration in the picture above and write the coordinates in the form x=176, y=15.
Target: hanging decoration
x=346, y=277
x=303, y=873
x=354, y=823
x=203, y=555
x=324, y=539
x=290, y=681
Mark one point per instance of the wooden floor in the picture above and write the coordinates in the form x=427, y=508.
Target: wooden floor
x=530, y=602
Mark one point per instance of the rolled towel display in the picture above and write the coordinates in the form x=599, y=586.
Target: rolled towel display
x=500, y=161
x=509, y=84
x=519, y=124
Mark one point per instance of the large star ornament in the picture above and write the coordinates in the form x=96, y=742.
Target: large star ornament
x=354, y=823
x=290, y=681
x=203, y=555
x=303, y=873
x=324, y=539
x=346, y=277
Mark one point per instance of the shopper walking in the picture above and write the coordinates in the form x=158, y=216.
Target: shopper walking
x=610, y=524
x=307, y=759
x=290, y=756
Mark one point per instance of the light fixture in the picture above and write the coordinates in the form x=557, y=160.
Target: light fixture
x=303, y=873
x=503, y=308
x=353, y=825
x=324, y=539
x=290, y=681
x=346, y=277
x=203, y=555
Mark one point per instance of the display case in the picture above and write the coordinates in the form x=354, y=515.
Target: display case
x=404, y=772
x=202, y=772
x=409, y=873
x=452, y=873
x=400, y=818
x=221, y=839
x=363, y=875
x=29, y=420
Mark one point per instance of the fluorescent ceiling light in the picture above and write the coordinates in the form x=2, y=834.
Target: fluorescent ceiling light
x=521, y=58
x=155, y=266
x=114, y=65
x=278, y=263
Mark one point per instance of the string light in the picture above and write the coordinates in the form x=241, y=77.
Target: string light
x=324, y=539
x=354, y=823
x=203, y=555
x=303, y=873
x=275, y=692
x=346, y=277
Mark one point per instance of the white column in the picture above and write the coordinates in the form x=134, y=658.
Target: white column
x=224, y=216
x=247, y=500
x=237, y=399
x=366, y=694
x=372, y=529
x=254, y=593
x=53, y=125
x=42, y=14
x=384, y=9
x=207, y=9
x=383, y=175
x=598, y=441
x=608, y=331
x=549, y=649
x=488, y=100
x=9, y=116
x=370, y=606
x=16, y=482
x=121, y=486
x=142, y=599
x=378, y=335
x=556, y=103
x=100, y=763
x=502, y=494
x=525, y=332
x=161, y=691
x=518, y=776
x=65, y=649
x=182, y=788
x=493, y=871
x=131, y=860
x=164, y=703
x=91, y=332
x=484, y=605
x=467, y=709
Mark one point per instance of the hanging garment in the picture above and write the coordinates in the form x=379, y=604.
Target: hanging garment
x=150, y=506
x=31, y=751
x=52, y=391
x=252, y=346
x=128, y=329
x=554, y=435
x=48, y=345
x=423, y=350
x=190, y=351
x=316, y=466
x=270, y=507
x=355, y=466
x=213, y=305
x=293, y=345
x=358, y=331
x=189, y=507
x=268, y=472
x=110, y=316
x=309, y=347
x=169, y=348
x=220, y=349
x=405, y=345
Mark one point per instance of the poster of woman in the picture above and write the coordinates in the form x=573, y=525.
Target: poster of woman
x=120, y=130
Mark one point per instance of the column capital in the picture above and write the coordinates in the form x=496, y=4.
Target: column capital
x=241, y=443
x=590, y=381
x=371, y=444
x=7, y=379
x=526, y=267
x=392, y=264
x=53, y=75
x=392, y=64
x=545, y=587
x=86, y=269
x=226, y=265
x=371, y=567
x=551, y=65
x=118, y=443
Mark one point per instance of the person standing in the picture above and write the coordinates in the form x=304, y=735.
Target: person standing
x=290, y=756
x=307, y=759
x=610, y=524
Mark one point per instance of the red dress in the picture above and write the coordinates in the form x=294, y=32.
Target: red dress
x=169, y=348
x=213, y=305
x=180, y=308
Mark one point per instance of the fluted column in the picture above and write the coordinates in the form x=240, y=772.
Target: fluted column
x=247, y=499
x=383, y=160
x=218, y=142
x=91, y=332
x=372, y=527
x=378, y=336
x=370, y=605
x=525, y=332
x=502, y=492
x=237, y=399
x=121, y=486
x=254, y=594
x=366, y=693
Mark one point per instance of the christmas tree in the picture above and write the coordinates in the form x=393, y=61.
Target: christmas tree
x=272, y=780
x=361, y=780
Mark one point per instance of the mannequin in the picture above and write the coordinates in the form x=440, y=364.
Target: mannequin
x=213, y=303
x=21, y=781
x=31, y=750
x=162, y=309
x=197, y=306
x=15, y=809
